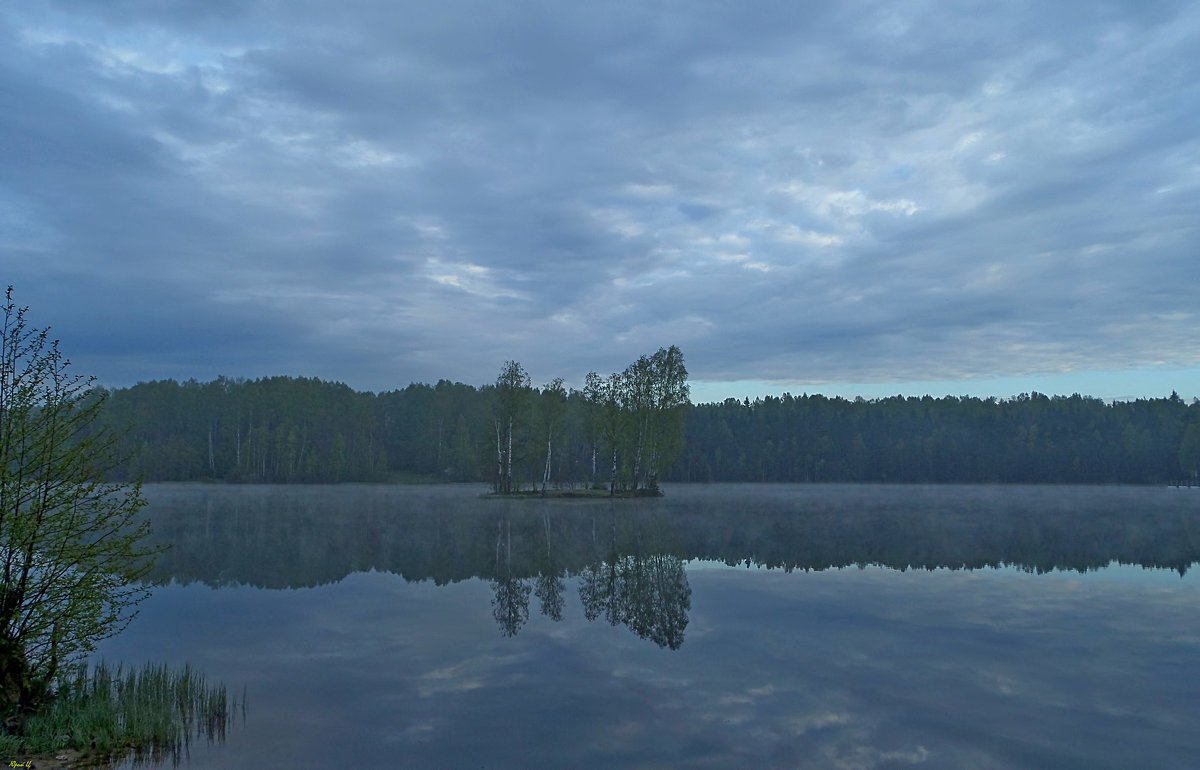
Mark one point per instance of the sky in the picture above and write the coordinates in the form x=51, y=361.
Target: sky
x=848, y=198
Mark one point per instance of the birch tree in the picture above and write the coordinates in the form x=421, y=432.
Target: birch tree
x=512, y=397
x=637, y=399
x=604, y=398
x=553, y=408
x=670, y=398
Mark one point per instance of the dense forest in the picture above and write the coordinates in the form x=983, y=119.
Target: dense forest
x=1031, y=438
x=285, y=429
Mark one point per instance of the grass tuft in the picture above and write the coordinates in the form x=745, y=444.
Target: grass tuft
x=151, y=713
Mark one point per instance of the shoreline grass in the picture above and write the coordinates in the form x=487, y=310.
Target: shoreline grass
x=111, y=714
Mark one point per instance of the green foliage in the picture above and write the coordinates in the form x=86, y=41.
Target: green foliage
x=609, y=420
x=512, y=399
x=71, y=552
x=638, y=416
x=552, y=408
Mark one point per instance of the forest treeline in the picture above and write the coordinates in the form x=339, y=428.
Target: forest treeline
x=287, y=429
x=620, y=432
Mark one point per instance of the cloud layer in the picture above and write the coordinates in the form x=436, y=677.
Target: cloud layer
x=381, y=192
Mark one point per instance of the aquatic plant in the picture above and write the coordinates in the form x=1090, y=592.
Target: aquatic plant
x=152, y=713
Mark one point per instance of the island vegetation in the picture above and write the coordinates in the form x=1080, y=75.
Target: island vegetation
x=633, y=420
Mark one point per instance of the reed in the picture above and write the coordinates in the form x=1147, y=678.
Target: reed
x=152, y=713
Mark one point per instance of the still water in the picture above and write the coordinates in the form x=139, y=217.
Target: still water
x=720, y=626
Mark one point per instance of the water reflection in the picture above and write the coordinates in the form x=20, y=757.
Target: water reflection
x=387, y=665
x=510, y=603
x=649, y=594
x=638, y=583
x=646, y=591
x=629, y=556
x=550, y=587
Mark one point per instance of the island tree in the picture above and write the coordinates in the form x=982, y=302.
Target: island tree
x=639, y=416
x=511, y=404
x=661, y=403
x=552, y=409
x=608, y=419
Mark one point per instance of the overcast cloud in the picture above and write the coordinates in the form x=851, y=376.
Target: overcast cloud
x=382, y=192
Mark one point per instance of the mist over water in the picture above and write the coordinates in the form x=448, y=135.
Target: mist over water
x=732, y=625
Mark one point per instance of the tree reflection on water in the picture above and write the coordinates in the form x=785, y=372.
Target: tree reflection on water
x=510, y=605
x=549, y=586
x=647, y=592
x=628, y=557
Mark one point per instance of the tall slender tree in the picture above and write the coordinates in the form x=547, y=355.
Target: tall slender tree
x=512, y=399
x=670, y=399
x=604, y=398
x=552, y=407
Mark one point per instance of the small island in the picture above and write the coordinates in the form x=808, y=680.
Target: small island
x=633, y=420
x=574, y=493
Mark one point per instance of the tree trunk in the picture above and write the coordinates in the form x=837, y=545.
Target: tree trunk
x=18, y=695
x=508, y=477
x=637, y=457
x=499, y=461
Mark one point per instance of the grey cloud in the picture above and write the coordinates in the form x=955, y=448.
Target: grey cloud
x=377, y=192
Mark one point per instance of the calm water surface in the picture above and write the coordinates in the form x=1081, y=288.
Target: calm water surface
x=721, y=626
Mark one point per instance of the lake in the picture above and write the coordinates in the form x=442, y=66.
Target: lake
x=840, y=626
